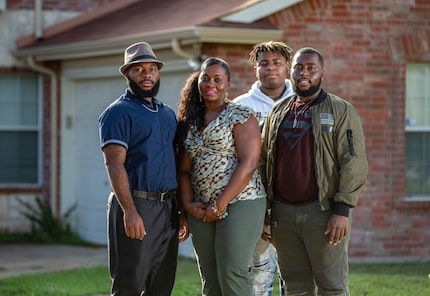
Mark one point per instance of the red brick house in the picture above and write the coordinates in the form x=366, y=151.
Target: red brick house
x=377, y=56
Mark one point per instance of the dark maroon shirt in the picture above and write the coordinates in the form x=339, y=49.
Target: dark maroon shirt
x=295, y=181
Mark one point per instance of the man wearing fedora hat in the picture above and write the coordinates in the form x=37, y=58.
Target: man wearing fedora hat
x=136, y=135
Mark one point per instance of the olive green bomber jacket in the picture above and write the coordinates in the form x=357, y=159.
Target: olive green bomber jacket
x=340, y=158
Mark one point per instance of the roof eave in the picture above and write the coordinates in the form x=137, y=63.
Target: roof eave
x=237, y=35
x=158, y=40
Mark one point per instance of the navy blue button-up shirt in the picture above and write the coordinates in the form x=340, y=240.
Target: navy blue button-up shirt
x=148, y=135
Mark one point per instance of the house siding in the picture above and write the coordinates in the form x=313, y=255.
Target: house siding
x=18, y=19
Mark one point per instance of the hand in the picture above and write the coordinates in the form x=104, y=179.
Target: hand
x=196, y=209
x=337, y=229
x=133, y=225
x=210, y=216
x=266, y=234
x=183, y=232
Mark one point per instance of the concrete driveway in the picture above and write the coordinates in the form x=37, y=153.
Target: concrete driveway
x=17, y=259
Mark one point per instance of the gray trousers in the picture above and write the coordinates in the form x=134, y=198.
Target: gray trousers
x=143, y=267
x=305, y=256
x=224, y=249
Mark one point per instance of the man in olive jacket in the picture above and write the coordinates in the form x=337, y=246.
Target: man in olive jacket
x=314, y=167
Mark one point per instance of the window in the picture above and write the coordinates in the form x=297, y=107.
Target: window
x=418, y=130
x=20, y=129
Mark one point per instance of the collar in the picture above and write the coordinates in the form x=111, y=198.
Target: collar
x=321, y=97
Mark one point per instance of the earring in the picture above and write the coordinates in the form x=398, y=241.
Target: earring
x=226, y=99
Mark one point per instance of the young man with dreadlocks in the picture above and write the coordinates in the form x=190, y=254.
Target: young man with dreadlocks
x=271, y=61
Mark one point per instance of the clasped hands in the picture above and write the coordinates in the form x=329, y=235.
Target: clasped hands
x=201, y=211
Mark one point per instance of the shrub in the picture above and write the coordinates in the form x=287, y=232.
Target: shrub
x=45, y=227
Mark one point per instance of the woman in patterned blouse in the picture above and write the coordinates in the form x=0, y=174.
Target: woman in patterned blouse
x=221, y=190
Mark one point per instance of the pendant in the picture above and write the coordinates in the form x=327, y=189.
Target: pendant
x=294, y=122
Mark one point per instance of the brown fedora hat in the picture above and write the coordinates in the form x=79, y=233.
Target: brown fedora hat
x=140, y=52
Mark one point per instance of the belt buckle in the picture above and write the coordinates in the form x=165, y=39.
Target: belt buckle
x=164, y=196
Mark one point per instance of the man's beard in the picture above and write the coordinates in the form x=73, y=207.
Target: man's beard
x=308, y=92
x=140, y=93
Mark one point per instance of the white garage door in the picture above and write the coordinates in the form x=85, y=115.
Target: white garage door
x=91, y=186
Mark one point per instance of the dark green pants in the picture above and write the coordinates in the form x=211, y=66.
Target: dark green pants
x=305, y=256
x=224, y=249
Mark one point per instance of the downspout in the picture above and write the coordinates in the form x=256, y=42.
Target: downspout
x=53, y=177
x=38, y=20
x=193, y=61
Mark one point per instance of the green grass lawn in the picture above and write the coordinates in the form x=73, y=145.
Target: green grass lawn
x=407, y=279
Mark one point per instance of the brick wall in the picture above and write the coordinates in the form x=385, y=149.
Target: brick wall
x=242, y=73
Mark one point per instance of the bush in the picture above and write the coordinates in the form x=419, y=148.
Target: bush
x=45, y=227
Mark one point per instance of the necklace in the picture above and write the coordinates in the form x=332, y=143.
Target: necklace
x=297, y=112
x=151, y=109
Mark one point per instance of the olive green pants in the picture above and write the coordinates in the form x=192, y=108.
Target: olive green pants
x=224, y=249
x=306, y=259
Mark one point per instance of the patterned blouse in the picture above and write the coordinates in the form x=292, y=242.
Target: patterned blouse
x=214, y=157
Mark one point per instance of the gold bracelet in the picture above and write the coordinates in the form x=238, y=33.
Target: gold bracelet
x=215, y=210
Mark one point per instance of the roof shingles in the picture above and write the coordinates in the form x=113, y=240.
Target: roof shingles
x=149, y=16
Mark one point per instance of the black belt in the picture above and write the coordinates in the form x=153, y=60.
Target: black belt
x=161, y=196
